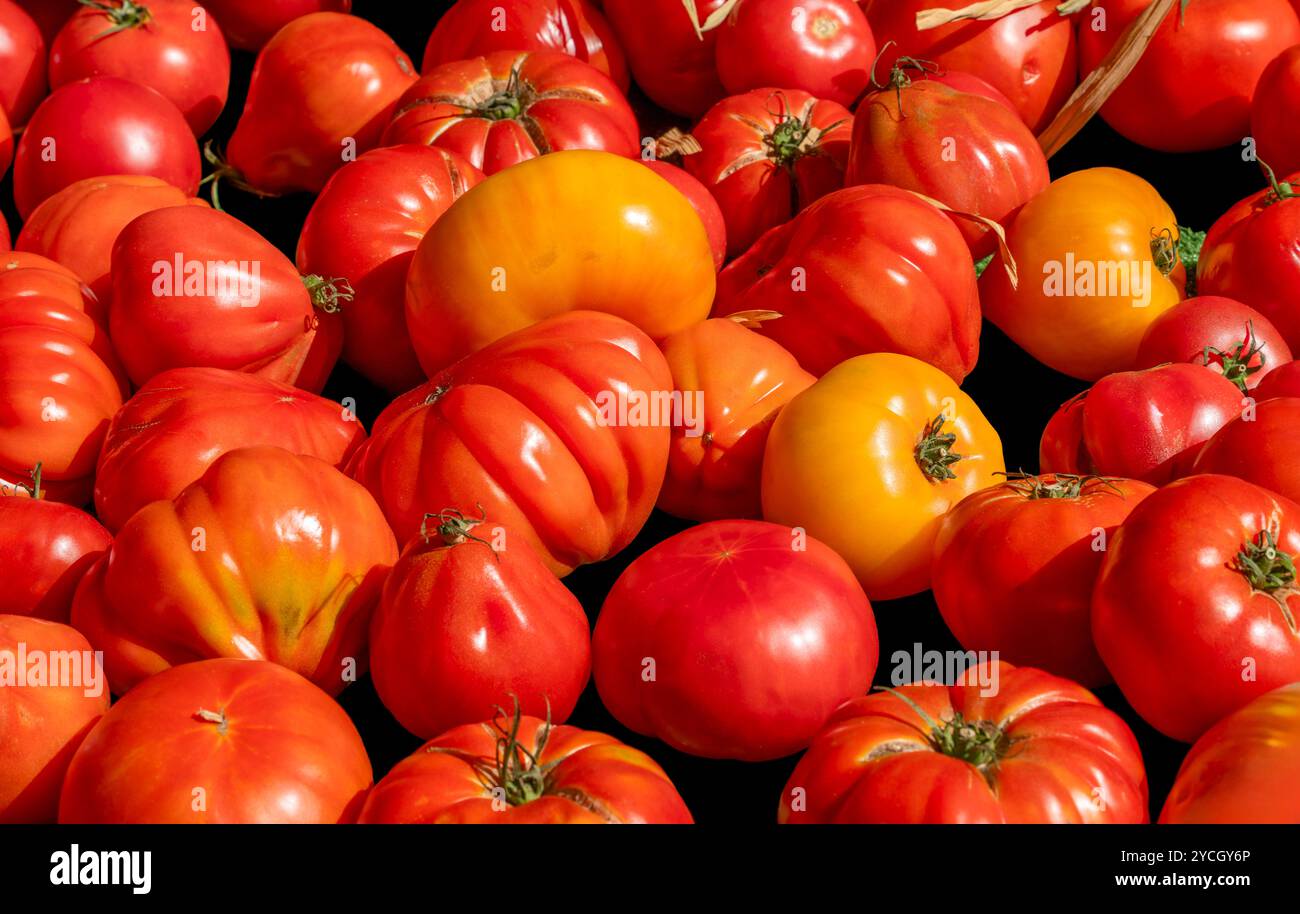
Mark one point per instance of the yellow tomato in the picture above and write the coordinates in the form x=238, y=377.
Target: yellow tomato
x=577, y=230
x=1098, y=264
x=870, y=458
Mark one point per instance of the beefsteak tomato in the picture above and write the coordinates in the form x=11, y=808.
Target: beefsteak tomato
x=671, y=57
x=249, y=24
x=22, y=63
x=1225, y=336
x=1257, y=446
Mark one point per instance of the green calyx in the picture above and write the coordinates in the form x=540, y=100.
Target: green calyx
x=793, y=137
x=33, y=490
x=982, y=743
x=1268, y=569
x=1059, y=485
x=1164, y=250
x=1239, y=363
x=1277, y=190
x=328, y=294
x=516, y=773
x=934, y=454
x=454, y=527
x=126, y=14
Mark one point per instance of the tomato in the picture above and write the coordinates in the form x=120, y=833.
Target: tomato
x=321, y=92
x=525, y=771
x=968, y=152
x=1192, y=87
x=737, y=382
x=1029, y=55
x=167, y=45
x=24, y=274
x=823, y=47
x=6, y=151
x=1223, y=335
x=1244, y=769
x=558, y=431
x=49, y=15
x=1277, y=136
x=1256, y=446
x=102, y=126
x=1037, y=750
x=865, y=269
x=472, y=28
x=589, y=230
x=78, y=225
x=22, y=63
x=1283, y=381
x=365, y=226
x=706, y=205
x=871, y=457
x=51, y=694
x=469, y=619
x=1098, y=264
x=766, y=155
x=1015, y=564
x=221, y=741
x=971, y=84
x=249, y=24
x=671, y=62
x=499, y=110
x=170, y=432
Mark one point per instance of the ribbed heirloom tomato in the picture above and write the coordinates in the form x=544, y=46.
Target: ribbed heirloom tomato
x=671, y=61
x=1219, y=333
x=1257, y=446
x=249, y=24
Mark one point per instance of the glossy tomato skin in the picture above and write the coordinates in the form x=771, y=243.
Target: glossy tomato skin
x=22, y=63
x=25, y=274
x=54, y=544
x=364, y=227
x=322, y=88
x=705, y=204
x=823, y=47
x=249, y=24
x=1071, y=760
x=263, y=744
x=42, y=724
x=865, y=269
x=1186, y=631
x=527, y=429
x=594, y=779
x=1015, y=565
x=175, y=426
x=1192, y=88
x=592, y=230
x=103, y=126
x=961, y=81
x=1219, y=333
x=766, y=155
x=757, y=633
x=1244, y=769
x=293, y=555
x=1256, y=446
x=1277, y=136
x=671, y=63
x=1283, y=381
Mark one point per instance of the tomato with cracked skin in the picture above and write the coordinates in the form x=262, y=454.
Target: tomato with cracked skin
x=1224, y=335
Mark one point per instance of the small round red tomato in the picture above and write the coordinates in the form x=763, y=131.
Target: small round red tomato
x=509, y=106
x=822, y=47
x=43, y=720
x=219, y=741
x=1225, y=336
x=249, y=24
x=1030, y=748
x=22, y=63
x=706, y=205
x=672, y=61
x=1275, y=129
x=1257, y=446
x=525, y=771
x=103, y=126
x=766, y=155
x=734, y=639
x=1283, y=381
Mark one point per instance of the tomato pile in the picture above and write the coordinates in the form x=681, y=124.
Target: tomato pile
x=578, y=411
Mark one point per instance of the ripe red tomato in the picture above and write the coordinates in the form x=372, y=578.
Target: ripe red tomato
x=24, y=274
x=1223, y=335
x=865, y=269
x=102, y=126
x=221, y=741
x=823, y=47
x=766, y=155
x=249, y=24
x=43, y=720
x=672, y=63
x=1276, y=132
x=171, y=431
x=320, y=94
x=971, y=85
x=706, y=205
x=734, y=639
x=491, y=772
x=1145, y=425
x=49, y=15
x=170, y=46
x=1192, y=87
x=1015, y=564
x=470, y=618
x=1256, y=446
x=1283, y=381
x=534, y=429
x=509, y=106
x=1039, y=750
x=22, y=63
x=6, y=154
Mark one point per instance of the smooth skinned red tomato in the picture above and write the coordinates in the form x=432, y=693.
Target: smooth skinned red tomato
x=706, y=205
x=734, y=639
x=1224, y=335
x=1276, y=133
x=672, y=62
x=1039, y=750
x=22, y=63
x=1283, y=381
x=262, y=744
x=1257, y=447
x=249, y=24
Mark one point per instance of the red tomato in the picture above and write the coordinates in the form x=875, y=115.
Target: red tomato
x=706, y=205
x=43, y=721
x=220, y=741
x=1283, y=381
x=492, y=772
x=971, y=85
x=737, y=382
x=167, y=45
x=102, y=126
x=1015, y=564
x=734, y=639
x=472, y=28
x=865, y=269
x=671, y=62
x=175, y=426
x=6, y=151
x=1257, y=447
x=321, y=92
x=499, y=110
x=1039, y=750
x=24, y=274
x=533, y=428
x=1192, y=88
x=1223, y=335
x=1145, y=425
x=249, y=24
x=22, y=63
x=1276, y=132
x=49, y=15
x=766, y=155
x=822, y=47
x=469, y=619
